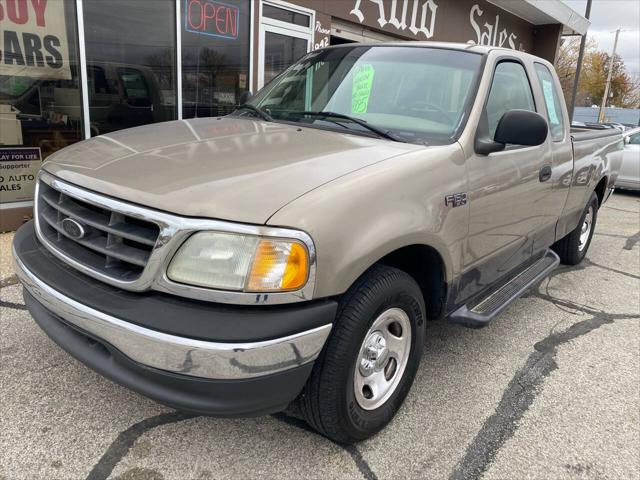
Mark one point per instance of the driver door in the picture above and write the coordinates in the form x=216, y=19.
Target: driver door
x=506, y=194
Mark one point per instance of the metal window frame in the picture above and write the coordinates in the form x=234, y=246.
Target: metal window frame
x=291, y=8
x=178, y=60
x=271, y=25
x=84, y=81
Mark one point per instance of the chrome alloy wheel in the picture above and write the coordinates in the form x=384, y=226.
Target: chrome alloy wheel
x=585, y=231
x=382, y=358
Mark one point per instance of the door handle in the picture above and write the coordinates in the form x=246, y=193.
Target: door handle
x=545, y=173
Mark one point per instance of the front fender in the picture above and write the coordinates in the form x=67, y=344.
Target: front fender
x=359, y=218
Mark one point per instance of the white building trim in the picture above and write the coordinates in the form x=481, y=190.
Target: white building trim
x=84, y=82
x=178, y=60
x=545, y=12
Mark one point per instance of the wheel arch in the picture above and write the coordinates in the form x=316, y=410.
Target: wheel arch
x=427, y=267
x=601, y=189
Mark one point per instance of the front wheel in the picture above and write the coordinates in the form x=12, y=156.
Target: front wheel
x=573, y=248
x=370, y=360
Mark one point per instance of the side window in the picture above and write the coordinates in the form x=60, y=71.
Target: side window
x=510, y=90
x=97, y=80
x=552, y=102
x=635, y=139
x=135, y=87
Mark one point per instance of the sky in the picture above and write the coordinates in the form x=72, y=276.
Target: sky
x=606, y=17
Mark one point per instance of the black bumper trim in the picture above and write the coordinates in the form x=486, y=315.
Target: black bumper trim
x=227, y=398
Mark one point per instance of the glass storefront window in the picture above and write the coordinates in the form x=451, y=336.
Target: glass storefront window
x=215, y=55
x=280, y=51
x=288, y=16
x=40, y=100
x=131, y=62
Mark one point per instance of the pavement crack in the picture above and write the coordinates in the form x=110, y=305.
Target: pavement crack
x=571, y=307
x=14, y=306
x=360, y=462
x=614, y=270
x=631, y=241
x=567, y=306
x=352, y=450
x=552, y=330
x=9, y=281
x=586, y=263
x=611, y=235
x=620, y=209
x=125, y=440
x=520, y=394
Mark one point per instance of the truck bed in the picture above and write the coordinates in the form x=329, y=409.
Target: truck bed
x=580, y=134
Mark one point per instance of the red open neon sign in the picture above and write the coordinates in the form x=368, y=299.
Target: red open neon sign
x=207, y=17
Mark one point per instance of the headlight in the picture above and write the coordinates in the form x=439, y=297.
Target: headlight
x=231, y=261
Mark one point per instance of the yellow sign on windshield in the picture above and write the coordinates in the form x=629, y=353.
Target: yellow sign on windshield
x=361, y=90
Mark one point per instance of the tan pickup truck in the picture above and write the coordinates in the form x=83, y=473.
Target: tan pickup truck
x=293, y=251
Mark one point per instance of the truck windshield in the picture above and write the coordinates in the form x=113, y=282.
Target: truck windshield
x=415, y=94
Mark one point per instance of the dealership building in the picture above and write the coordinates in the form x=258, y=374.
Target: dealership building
x=74, y=69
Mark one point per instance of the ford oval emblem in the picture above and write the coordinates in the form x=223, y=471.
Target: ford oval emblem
x=73, y=228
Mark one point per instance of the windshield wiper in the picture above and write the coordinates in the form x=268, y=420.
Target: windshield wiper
x=388, y=134
x=258, y=111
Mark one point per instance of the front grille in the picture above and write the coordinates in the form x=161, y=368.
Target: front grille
x=113, y=244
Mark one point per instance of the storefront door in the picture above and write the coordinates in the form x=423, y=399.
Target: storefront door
x=286, y=34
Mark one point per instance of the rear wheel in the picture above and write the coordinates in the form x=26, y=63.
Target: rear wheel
x=368, y=364
x=573, y=248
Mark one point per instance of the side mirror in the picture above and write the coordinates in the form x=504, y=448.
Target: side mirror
x=522, y=127
x=245, y=97
x=627, y=140
x=516, y=127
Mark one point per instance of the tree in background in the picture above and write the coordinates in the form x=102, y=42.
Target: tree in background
x=625, y=90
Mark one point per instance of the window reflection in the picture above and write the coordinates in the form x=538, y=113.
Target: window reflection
x=40, y=101
x=281, y=51
x=131, y=63
x=215, y=56
x=510, y=90
x=287, y=16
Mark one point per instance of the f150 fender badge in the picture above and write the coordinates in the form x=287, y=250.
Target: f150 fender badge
x=455, y=199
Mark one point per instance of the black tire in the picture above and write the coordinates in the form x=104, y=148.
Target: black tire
x=328, y=402
x=569, y=248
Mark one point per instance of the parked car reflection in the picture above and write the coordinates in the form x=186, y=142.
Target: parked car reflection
x=629, y=177
x=123, y=96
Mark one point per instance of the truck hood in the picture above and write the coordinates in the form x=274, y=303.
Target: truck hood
x=230, y=168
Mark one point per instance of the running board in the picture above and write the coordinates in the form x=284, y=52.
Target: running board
x=482, y=311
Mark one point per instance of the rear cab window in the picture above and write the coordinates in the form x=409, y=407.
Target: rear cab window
x=552, y=102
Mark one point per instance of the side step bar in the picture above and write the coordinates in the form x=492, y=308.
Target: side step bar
x=482, y=311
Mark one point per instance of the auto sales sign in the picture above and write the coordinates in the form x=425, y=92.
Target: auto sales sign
x=33, y=39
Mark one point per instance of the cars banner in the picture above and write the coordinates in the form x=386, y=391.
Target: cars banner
x=33, y=39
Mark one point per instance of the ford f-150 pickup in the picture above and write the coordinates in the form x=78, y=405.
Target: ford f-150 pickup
x=293, y=251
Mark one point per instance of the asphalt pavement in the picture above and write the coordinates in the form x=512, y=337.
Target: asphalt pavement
x=549, y=390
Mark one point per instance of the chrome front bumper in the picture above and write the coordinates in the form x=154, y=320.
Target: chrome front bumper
x=171, y=353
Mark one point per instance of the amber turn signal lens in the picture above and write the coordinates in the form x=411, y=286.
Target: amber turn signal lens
x=295, y=273
x=278, y=265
